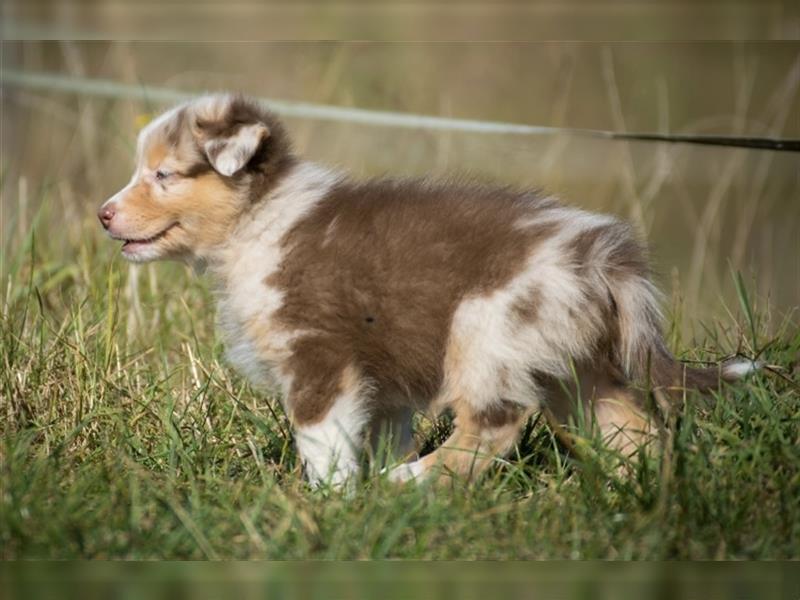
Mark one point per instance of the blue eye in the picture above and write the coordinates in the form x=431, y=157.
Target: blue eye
x=161, y=175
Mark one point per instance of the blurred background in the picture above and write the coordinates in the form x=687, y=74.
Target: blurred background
x=707, y=211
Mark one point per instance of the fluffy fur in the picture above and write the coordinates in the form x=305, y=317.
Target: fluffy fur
x=366, y=301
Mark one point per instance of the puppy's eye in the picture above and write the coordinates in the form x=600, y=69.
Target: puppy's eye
x=161, y=175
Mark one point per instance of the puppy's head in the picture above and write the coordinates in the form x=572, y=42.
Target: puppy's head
x=199, y=166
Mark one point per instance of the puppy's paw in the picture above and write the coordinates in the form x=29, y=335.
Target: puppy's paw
x=413, y=471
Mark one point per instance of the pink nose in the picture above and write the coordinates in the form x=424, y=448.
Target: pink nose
x=105, y=214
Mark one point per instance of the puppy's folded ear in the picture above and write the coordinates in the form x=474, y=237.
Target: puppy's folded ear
x=229, y=151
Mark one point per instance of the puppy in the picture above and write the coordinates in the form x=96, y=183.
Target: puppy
x=365, y=301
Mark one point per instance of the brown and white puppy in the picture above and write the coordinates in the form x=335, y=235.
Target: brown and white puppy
x=364, y=301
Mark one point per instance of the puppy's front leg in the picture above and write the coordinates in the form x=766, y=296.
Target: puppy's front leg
x=330, y=445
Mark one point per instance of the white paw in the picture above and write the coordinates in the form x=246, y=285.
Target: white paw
x=406, y=472
x=741, y=368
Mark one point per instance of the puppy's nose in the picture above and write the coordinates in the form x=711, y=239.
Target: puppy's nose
x=105, y=214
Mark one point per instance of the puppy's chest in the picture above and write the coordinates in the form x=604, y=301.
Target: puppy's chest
x=248, y=303
x=255, y=344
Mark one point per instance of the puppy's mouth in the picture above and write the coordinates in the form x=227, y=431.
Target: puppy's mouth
x=133, y=245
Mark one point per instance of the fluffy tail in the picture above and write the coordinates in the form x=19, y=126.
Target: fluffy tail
x=644, y=356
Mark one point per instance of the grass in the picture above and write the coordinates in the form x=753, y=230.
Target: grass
x=125, y=436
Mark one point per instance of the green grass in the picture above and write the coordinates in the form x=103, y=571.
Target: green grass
x=125, y=436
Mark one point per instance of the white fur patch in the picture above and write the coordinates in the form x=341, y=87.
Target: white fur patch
x=572, y=220
x=229, y=154
x=407, y=471
x=212, y=107
x=246, y=302
x=146, y=132
x=490, y=353
x=740, y=368
x=330, y=449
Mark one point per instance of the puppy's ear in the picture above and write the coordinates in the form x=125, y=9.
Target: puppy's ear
x=229, y=151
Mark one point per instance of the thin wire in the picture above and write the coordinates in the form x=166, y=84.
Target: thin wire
x=114, y=89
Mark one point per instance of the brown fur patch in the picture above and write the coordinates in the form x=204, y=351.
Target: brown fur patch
x=582, y=246
x=381, y=292
x=526, y=308
x=497, y=415
x=319, y=371
x=628, y=255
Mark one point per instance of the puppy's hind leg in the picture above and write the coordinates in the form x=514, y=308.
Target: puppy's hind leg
x=479, y=438
x=623, y=424
x=610, y=408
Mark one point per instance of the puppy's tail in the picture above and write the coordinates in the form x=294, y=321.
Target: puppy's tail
x=644, y=356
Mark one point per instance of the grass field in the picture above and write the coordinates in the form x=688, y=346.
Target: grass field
x=124, y=436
